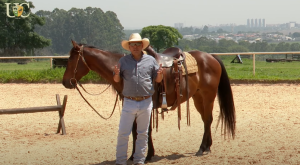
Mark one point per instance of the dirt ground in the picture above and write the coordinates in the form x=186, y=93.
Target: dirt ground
x=268, y=128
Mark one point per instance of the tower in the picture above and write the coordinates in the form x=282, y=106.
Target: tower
x=248, y=23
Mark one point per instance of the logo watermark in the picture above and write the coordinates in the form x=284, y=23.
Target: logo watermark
x=17, y=9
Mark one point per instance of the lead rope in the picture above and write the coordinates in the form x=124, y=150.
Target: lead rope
x=94, y=108
x=92, y=93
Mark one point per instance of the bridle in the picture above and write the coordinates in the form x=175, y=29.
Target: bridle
x=80, y=54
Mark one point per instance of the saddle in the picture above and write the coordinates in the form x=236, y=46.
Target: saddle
x=169, y=55
x=174, y=59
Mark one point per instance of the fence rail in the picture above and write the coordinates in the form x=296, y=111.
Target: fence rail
x=37, y=57
x=219, y=54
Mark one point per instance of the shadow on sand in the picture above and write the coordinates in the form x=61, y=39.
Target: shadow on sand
x=154, y=159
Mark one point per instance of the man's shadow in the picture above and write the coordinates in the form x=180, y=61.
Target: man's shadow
x=154, y=159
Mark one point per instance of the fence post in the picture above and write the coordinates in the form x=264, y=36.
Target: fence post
x=253, y=64
x=51, y=62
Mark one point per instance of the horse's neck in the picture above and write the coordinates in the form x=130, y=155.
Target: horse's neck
x=104, y=63
x=151, y=52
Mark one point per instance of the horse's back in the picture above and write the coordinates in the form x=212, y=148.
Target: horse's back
x=209, y=69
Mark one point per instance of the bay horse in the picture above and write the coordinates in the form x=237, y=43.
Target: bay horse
x=210, y=81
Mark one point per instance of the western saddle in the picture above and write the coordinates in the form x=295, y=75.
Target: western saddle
x=174, y=59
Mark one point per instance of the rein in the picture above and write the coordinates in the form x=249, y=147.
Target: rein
x=77, y=82
x=95, y=109
x=92, y=93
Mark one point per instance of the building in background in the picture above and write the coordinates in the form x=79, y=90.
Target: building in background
x=248, y=23
x=291, y=25
x=178, y=25
x=256, y=23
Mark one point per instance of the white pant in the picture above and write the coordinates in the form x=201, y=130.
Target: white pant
x=141, y=110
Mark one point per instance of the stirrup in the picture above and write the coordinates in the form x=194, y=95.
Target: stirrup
x=164, y=110
x=164, y=101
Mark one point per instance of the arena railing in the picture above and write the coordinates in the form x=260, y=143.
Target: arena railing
x=219, y=54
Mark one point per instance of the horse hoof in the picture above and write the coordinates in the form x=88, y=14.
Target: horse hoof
x=131, y=158
x=207, y=151
x=199, y=153
x=148, y=158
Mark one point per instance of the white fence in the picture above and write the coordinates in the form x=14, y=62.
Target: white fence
x=246, y=53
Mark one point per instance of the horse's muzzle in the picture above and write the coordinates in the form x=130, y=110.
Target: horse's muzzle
x=70, y=85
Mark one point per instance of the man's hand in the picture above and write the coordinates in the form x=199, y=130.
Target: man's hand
x=159, y=76
x=117, y=73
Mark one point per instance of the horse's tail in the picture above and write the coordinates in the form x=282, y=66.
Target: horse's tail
x=226, y=103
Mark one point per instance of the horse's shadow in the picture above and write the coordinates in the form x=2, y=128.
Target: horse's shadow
x=154, y=159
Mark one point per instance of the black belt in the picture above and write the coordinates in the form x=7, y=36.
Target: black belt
x=139, y=98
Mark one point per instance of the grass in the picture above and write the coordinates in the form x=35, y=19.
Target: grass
x=263, y=70
x=37, y=72
x=35, y=65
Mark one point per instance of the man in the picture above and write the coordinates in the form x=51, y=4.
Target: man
x=138, y=71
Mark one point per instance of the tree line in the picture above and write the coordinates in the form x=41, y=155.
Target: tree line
x=225, y=46
x=89, y=26
x=53, y=31
x=17, y=35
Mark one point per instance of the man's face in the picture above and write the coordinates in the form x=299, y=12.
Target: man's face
x=135, y=47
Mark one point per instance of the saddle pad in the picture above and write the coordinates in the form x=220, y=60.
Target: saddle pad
x=191, y=64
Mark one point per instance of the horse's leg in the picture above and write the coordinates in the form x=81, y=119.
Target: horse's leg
x=150, y=142
x=134, y=136
x=204, y=106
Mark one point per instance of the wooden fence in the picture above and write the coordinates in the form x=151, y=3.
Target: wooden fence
x=60, y=108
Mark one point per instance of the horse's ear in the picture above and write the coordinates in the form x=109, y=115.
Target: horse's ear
x=75, y=45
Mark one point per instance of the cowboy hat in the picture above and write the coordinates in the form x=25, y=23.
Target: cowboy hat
x=134, y=37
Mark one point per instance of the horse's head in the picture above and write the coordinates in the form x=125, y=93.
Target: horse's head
x=76, y=68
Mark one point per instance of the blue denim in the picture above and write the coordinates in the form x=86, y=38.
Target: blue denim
x=141, y=111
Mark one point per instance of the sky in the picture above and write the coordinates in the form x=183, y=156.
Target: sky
x=136, y=14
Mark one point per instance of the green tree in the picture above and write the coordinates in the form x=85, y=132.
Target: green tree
x=295, y=47
x=220, y=30
x=161, y=37
x=17, y=33
x=202, y=42
x=226, y=43
x=296, y=34
x=205, y=29
x=238, y=48
x=245, y=43
x=89, y=26
x=282, y=46
x=260, y=47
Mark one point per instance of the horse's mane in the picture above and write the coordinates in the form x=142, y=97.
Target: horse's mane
x=90, y=46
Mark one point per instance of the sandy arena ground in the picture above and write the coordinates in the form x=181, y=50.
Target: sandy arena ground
x=268, y=129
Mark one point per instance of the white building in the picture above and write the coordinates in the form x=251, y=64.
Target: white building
x=178, y=25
